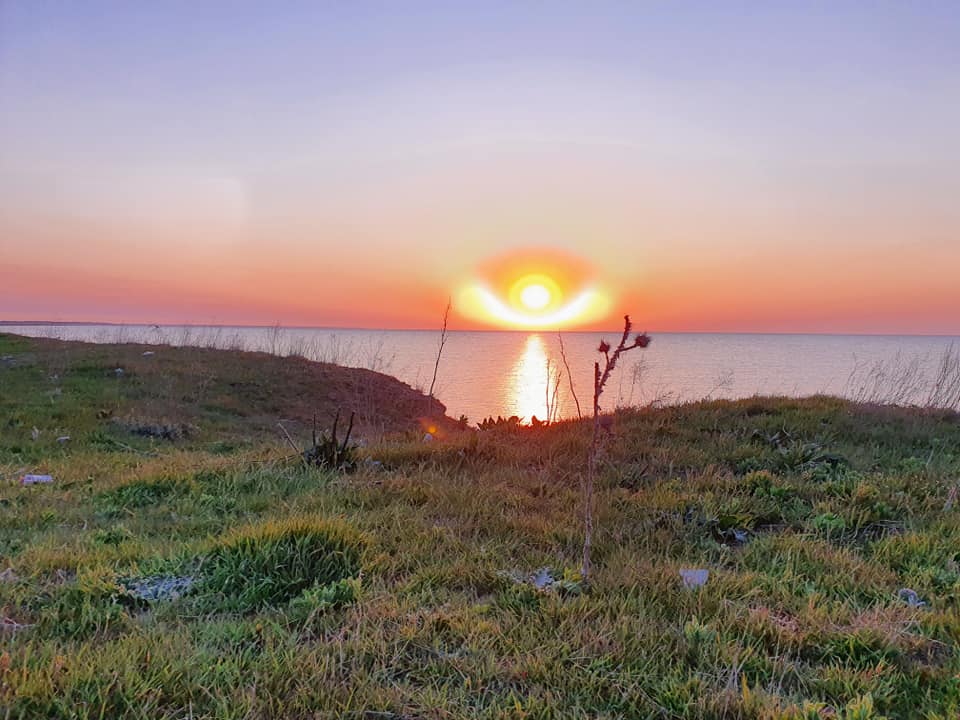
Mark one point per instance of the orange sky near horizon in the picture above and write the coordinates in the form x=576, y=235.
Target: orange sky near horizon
x=705, y=262
x=713, y=292
x=786, y=172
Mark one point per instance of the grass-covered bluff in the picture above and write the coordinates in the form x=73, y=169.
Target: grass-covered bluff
x=392, y=592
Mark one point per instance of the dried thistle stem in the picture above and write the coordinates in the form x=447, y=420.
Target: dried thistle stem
x=600, y=378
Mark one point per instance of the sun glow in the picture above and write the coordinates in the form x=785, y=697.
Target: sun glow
x=534, y=289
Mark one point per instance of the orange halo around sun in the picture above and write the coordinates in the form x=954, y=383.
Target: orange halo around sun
x=533, y=289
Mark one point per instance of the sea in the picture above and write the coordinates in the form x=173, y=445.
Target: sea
x=549, y=375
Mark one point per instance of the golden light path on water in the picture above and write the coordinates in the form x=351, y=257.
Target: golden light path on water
x=527, y=392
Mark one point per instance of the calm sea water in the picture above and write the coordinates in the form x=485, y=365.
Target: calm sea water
x=516, y=373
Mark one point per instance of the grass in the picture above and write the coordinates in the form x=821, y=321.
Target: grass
x=396, y=592
x=269, y=564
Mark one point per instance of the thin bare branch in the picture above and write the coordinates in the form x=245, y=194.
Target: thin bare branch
x=290, y=439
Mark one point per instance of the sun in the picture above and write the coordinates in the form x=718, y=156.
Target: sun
x=535, y=296
x=532, y=288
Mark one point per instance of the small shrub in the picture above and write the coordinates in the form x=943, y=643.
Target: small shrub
x=329, y=452
x=272, y=563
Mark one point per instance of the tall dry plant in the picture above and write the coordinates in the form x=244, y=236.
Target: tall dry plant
x=600, y=378
x=552, y=393
x=573, y=391
x=443, y=340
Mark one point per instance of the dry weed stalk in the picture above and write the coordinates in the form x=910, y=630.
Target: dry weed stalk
x=552, y=392
x=600, y=378
x=573, y=392
x=443, y=340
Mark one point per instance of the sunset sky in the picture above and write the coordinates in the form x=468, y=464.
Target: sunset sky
x=704, y=166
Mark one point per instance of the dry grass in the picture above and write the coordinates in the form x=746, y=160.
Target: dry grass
x=931, y=383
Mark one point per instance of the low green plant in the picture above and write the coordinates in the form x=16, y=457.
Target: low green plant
x=829, y=524
x=697, y=633
x=320, y=598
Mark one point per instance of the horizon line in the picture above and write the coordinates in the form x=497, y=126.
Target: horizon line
x=81, y=323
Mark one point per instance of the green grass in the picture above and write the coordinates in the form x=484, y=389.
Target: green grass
x=390, y=593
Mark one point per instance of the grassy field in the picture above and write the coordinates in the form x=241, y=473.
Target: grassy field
x=182, y=565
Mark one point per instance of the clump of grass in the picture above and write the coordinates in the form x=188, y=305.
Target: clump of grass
x=270, y=563
x=112, y=536
x=140, y=494
x=94, y=604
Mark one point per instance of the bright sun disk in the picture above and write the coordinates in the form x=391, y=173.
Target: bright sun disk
x=535, y=297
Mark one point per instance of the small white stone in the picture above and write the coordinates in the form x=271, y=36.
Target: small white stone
x=694, y=578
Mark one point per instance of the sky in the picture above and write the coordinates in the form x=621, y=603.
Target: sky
x=728, y=167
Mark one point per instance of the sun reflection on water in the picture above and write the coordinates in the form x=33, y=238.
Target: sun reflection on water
x=527, y=392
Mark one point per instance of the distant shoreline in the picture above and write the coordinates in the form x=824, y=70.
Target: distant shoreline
x=53, y=322
x=15, y=323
